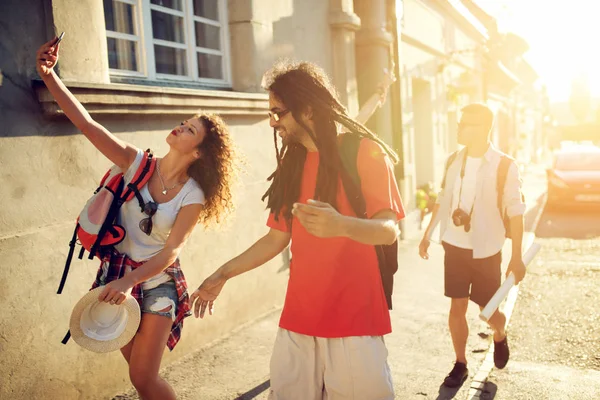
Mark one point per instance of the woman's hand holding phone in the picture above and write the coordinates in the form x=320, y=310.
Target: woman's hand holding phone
x=47, y=56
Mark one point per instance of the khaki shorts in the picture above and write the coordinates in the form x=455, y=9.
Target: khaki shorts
x=312, y=368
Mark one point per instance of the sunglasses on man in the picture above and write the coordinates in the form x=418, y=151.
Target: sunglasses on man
x=276, y=115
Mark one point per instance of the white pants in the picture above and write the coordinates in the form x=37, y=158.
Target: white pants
x=313, y=368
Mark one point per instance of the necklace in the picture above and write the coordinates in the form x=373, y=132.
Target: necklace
x=162, y=182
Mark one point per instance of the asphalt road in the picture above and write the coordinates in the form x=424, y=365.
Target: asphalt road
x=555, y=328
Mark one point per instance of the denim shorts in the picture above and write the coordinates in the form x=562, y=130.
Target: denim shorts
x=160, y=298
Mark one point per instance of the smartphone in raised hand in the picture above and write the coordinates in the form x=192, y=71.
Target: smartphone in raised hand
x=59, y=39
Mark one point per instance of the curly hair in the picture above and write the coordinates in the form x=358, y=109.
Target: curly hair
x=299, y=86
x=215, y=171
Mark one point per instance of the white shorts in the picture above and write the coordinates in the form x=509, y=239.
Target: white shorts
x=313, y=368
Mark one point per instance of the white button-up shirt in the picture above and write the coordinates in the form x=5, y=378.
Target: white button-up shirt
x=486, y=223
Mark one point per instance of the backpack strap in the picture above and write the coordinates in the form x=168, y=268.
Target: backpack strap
x=72, y=244
x=67, y=337
x=140, y=178
x=111, y=216
x=349, y=146
x=387, y=255
x=449, y=162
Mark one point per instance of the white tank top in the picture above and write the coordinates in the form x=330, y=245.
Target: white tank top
x=141, y=247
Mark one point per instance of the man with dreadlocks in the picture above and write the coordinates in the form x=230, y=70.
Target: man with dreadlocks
x=330, y=341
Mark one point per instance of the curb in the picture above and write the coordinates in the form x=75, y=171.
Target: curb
x=480, y=378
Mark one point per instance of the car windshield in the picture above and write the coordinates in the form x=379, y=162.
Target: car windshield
x=578, y=162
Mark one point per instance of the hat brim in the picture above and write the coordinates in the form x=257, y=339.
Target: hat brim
x=133, y=322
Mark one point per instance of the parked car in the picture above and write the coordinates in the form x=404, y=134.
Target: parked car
x=574, y=179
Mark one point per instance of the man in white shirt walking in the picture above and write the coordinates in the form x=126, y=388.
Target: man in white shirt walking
x=473, y=231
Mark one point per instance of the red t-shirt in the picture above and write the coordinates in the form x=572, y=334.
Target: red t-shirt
x=335, y=289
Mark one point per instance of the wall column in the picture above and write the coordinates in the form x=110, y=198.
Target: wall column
x=344, y=23
x=373, y=43
x=251, y=36
x=83, y=52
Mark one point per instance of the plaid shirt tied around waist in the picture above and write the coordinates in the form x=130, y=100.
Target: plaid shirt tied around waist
x=114, y=265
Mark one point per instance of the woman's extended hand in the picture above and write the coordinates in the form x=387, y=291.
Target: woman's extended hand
x=47, y=57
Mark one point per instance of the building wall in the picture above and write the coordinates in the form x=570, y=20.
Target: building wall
x=48, y=170
x=265, y=31
x=437, y=52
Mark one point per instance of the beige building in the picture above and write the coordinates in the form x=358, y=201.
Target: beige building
x=140, y=67
x=451, y=55
x=441, y=71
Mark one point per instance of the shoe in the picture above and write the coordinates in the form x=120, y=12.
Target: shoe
x=457, y=376
x=501, y=353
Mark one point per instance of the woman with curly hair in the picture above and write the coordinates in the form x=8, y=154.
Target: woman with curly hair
x=190, y=184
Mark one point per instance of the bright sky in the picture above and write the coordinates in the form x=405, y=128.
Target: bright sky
x=564, y=39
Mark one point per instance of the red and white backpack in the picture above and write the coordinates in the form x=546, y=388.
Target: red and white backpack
x=97, y=228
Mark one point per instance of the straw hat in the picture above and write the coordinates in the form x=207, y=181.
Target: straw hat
x=104, y=327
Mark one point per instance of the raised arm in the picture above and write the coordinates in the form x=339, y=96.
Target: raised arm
x=377, y=99
x=116, y=150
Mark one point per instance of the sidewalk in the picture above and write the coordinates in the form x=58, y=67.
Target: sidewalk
x=420, y=348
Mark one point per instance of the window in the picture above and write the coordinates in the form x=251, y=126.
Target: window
x=178, y=40
x=122, y=35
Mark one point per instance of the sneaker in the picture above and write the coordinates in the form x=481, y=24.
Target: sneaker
x=457, y=376
x=501, y=353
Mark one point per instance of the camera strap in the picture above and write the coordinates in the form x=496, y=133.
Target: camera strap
x=462, y=177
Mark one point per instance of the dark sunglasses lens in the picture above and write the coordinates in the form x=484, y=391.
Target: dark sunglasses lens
x=467, y=227
x=146, y=226
x=150, y=208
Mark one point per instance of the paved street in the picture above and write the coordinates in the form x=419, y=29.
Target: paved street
x=555, y=328
x=420, y=349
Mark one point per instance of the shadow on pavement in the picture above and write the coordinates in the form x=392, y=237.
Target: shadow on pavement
x=489, y=391
x=446, y=393
x=254, y=392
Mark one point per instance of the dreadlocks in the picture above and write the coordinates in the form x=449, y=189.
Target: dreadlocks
x=299, y=86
